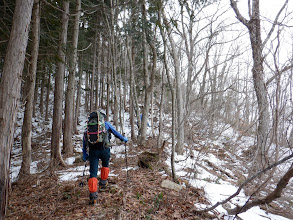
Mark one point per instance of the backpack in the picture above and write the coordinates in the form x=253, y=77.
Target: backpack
x=96, y=130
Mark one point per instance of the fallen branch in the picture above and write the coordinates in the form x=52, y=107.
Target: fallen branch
x=269, y=198
x=245, y=183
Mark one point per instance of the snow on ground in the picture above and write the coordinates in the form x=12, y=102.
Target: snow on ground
x=216, y=189
x=118, y=149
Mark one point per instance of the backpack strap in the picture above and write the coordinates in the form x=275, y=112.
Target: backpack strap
x=97, y=132
x=98, y=127
x=89, y=124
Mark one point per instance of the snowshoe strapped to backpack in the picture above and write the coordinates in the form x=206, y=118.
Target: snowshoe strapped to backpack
x=96, y=131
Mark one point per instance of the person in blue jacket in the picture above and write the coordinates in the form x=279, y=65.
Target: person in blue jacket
x=93, y=153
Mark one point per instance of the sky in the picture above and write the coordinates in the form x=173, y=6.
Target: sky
x=214, y=191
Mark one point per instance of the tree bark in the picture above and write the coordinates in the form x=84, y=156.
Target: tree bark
x=103, y=73
x=171, y=86
x=98, y=79
x=43, y=73
x=179, y=98
x=131, y=91
x=161, y=107
x=78, y=95
x=146, y=106
x=35, y=100
x=108, y=86
x=133, y=95
x=87, y=94
x=254, y=27
x=48, y=90
x=26, y=136
x=56, y=158
x=69, y=103
x=92, y=96
x=10, y=91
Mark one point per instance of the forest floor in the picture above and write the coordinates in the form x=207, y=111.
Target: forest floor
x=136, y=194
x=140, y=196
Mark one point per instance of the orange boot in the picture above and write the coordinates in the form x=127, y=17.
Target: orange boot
x=93, y=188
x=104, y=178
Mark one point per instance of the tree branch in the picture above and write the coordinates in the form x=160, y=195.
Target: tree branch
x=245, y=183
x=274, y=24
x=286, y=68
x=269, y=198
x=237, y=12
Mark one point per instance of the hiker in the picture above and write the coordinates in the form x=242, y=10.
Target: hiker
x=137, y=123
x=96, y=141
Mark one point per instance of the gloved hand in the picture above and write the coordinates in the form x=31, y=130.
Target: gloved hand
x=125, y=139
x=85, y=157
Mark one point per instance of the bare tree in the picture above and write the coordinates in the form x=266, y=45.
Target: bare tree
x=149, y=76
x=257, y=44
x=179, y=99
x=173, y=95
x=161, y=107
x=132, y=92
x=10, y=91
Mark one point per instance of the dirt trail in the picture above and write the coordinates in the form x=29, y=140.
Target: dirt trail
x=141, y=197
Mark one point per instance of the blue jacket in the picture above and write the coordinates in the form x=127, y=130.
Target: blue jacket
x=110, y=129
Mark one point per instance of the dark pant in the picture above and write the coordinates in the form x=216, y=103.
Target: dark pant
x=95, y=155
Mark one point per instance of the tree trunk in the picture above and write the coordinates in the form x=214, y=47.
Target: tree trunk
x=254, y=28
x=86, y=103
x=41, y=104
x=121, y=103
x=26, y=136
x=259, y=84
x=92, y=100
x=78, y=95
x=35, y=100
x=108, y=88
x=56, y=158
x=98, y=94
x=179, y=98
x=103, y=73
x=48, y=90
x=131, y=92
x=133, y=96
x=69, y=103
x=113, y=50
x=10, y=91
x=171, y=86
x=159, y=142
x=150, y=89
x=146, y=106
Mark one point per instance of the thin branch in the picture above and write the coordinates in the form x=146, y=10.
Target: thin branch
x=238, y=14
x=244, y=184
x=85, y=48
x=274, y=24
x=269, y=198
x=286, y=68
x=59, y=9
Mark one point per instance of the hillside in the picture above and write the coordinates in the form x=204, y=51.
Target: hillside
x=208, y=170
